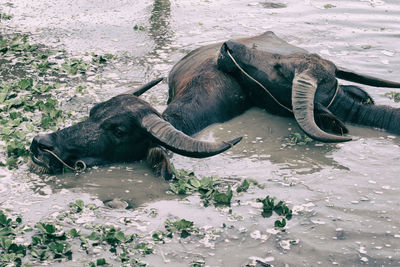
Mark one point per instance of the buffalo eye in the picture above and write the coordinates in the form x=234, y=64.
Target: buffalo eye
x=119, y=132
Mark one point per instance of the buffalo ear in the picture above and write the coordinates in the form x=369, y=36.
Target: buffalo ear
x=327, y=121
x=158, y=161
x=358, y=94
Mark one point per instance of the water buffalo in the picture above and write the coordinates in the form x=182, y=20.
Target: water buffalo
x=304, y=85
x=122, y=129
x=207, y=87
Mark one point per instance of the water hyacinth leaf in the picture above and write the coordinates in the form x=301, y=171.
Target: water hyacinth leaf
x=26, y=84
x=266, y=213
x=72, y=233
x=5, y=243
x=144, y=248
x=194, y=182
x=17, y=249
x=182, y=224
x=47, y=228
x=78, y=205
x=395, y=96
x=184, y=234
x=39, y=254
x=268, y=203
x=223, y=198
x=36, y=240
x=158, y=236
x=101, y=262
x=280, y=223
x=243, y=187
x=120, y=236
x=4, y=221
x=56, y=247
x=329, y=6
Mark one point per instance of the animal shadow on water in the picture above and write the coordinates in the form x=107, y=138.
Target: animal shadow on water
x=214, y=84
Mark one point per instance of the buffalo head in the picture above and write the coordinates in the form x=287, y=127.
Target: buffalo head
x=122, y=129
x=302, y=85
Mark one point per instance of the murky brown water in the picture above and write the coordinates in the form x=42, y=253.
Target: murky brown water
x=346, y=195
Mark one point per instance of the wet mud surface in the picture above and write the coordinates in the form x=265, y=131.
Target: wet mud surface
x=345, y=197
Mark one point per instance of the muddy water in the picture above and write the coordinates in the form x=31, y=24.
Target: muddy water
x=346, y=196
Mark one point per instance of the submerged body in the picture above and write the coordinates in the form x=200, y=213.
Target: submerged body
x=200, y=93
x=206, y=87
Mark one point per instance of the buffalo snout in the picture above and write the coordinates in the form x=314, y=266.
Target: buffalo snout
x=43, y=161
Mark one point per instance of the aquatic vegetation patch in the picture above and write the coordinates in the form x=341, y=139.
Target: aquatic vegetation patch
x=280, y=208
x=53, y=241
x=31, y=77
x=139, y=27
x=395, y=96
x=298, y=139
x=186, y=183
x=182, y=228
x=4, y=16
x=326, y=6
x=212, y=190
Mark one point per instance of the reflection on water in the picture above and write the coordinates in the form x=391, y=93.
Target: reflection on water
x=160, y=28
x=131, y=183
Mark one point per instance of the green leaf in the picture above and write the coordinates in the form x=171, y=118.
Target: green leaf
x=72, y=233
x=182, y=224
x=50, y=228
x=120, y=236
x=100, y=262
x=25, y=84
x=395, y=96
x=223, y=198
x=280, y=224
x=158, y=236
x=5, y=243
x=94, y=236
x=194, y=182
x=184, y=234
x=329, y=6
x=79, y=203
x=243, y=187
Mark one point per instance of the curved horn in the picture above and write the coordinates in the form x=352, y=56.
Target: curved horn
x=303, y=92
x=168, y=136
x=141, y=90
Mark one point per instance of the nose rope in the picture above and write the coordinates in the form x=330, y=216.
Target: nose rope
x=79, y=165
x=267, y=91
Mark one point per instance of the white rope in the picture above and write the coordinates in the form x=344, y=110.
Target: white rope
x=268, y=92
x=257, y=82
x=334, y=96
x=76, y=167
